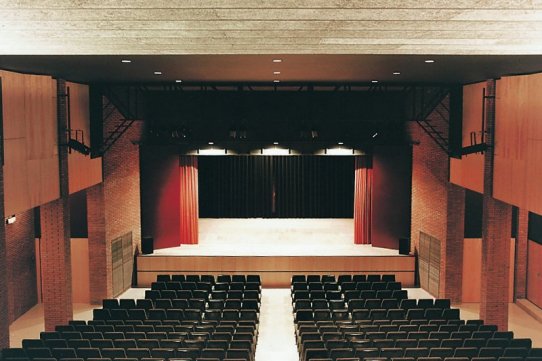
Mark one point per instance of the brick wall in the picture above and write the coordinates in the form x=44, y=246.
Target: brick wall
x=451, y=258
x=99, y=252
x=433, y=213
x=21, y=265
x=520, y=272
x=496, y=230
x=4, y=317
x=55, y=236
x=114, y=206
x=121, y=183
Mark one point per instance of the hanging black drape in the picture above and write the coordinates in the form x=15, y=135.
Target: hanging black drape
x=276, y=186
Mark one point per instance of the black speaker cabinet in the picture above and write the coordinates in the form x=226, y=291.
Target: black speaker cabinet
x=404, y=246
x=147, y=245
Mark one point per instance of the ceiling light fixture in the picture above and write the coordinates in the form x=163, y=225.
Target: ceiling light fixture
x=126, y=61
x=396, y=73
x=374, y=135
x=178, y=81
x=276, y=72
x=340, y=143
x=275, y=143
x=374, y=81
x=429, y=61
x=211, y=143
x=276, y=81
x=157, y=73
x=277, y=60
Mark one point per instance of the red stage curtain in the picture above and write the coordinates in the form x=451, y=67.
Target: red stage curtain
x=189, y=213
x=363, y=199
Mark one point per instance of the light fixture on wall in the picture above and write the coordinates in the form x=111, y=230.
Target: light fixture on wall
x=11, y=219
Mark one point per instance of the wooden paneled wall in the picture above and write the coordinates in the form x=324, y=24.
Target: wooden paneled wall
x=468, y=172
x=472, y=270
x=83, y=171
x=31, y=171
x=518, y=142
x=275, y=271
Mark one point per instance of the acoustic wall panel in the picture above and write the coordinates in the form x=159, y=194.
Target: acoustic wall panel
x=518, y=142
x=468, y=172
x=29, y=112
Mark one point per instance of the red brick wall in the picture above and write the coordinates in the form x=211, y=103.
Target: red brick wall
x=21, y=265
x=56, y=263
x=113, y=206
x=451, y=254
x=4, y=317
x=121, y=183
x=99, y=252
x=520, y=272
x=496, y=230
x=55, y=237
x=437, y=209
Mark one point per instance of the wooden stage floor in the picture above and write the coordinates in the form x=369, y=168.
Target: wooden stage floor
x=276, y=249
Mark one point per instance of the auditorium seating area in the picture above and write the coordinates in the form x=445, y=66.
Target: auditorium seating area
x=337, y=318
x=369, y=317
x=182, y=318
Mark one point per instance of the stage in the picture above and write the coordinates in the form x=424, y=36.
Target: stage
x=275, y=249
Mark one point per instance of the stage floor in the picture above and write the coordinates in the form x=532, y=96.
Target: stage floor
x=276, y=237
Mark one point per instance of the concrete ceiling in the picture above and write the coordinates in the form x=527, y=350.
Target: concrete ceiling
x=236, y=40
x=141, y=27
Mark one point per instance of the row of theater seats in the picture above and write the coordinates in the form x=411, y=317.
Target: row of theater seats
x=391, y=327
x=210, y=328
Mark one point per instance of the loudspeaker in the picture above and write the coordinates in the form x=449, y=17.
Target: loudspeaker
x=147, y=245
x=404, y=246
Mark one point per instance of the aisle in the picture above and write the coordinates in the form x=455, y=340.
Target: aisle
x=276, y=340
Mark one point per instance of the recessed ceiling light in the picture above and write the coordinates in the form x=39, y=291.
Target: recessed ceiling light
x=276, y=72
x=277, y=60
x=157, y=73
x=396, y=73
x=126, y=61
x=178, y=81
x=211, y=143
x=275, y=143
x=340, y=143
x=429, y=61
x=374, y=81
x=276, y=81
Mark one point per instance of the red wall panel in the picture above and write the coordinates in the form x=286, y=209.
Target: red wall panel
x=391, y=195
x=160, y=192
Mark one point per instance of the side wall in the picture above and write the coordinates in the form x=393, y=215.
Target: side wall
x=391, y=195
x=21, y=265
x=160, y=192
x=121, y=184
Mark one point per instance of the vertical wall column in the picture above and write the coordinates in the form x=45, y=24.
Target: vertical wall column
x=99, y=251
x=4, y=309
x=496, y=231
x=55, y=235
x=451, y=253
x=189, y=210
x=363, y=199
x=520, y=271
x=438, y=209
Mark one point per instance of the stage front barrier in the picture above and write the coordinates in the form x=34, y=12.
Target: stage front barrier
x=275, y=271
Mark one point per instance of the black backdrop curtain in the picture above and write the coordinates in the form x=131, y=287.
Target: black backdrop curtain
x=276, y=186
